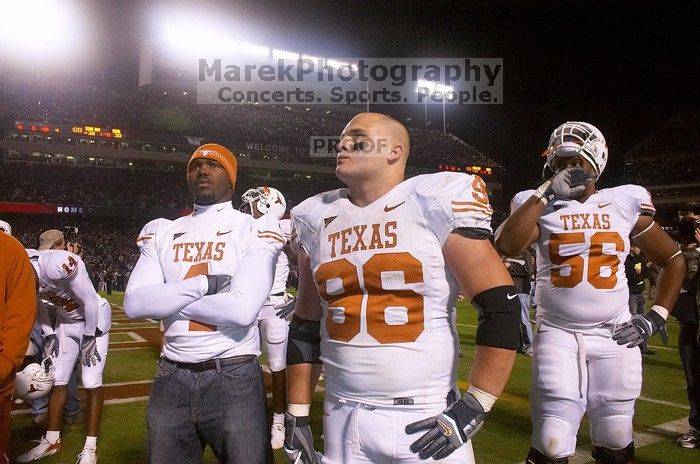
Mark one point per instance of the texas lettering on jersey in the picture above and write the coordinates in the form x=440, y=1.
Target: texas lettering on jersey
x=363, y=237
x=192, y=252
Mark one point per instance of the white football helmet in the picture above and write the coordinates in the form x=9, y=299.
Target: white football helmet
x=578, y=139
x=264, y=200
x=35, y=380
x=5, y=227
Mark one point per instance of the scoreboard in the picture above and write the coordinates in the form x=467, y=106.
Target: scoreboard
x=67, y=129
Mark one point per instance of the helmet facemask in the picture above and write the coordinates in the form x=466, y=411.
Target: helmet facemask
x=578, y=139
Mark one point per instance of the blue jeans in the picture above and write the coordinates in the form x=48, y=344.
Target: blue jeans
x=224, y=408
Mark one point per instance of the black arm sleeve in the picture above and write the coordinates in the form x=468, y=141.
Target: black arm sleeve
x=499, y=317
x=304, y=343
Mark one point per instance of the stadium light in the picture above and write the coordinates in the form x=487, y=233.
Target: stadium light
x=434, y=89
x=40, y=30
x=315, y=59
x=284, y=55
x=337, y=64
x=252, y=49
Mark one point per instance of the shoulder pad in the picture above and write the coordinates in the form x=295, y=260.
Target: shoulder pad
x=59, y=264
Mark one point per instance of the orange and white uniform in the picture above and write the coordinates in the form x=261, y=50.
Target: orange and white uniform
x=275, y=330
x=388, y=339
x=580, y=256
x=581, y=296
x=65, y=286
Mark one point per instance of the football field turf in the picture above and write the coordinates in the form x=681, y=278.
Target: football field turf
x=661, y=411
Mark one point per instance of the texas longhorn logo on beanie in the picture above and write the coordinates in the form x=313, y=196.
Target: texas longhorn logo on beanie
x=222, y=155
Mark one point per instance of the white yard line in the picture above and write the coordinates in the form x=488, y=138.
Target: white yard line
x=125, y=327
x=131, y=348
x=135, y=399
x=665, y=403
x=114, y=305
x=136, y=339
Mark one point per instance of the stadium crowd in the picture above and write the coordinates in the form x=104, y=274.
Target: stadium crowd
x=154, y=186
x=677, y=143
x=148, y=110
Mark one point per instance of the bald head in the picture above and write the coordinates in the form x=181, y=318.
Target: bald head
x=372, y=155
x=381, y=125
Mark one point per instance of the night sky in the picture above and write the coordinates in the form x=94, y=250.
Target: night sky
x=626, y=67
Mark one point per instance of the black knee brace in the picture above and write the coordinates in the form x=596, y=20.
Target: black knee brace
x=535, y=457
x=604, y=455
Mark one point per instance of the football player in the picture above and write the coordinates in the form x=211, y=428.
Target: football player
x=83, y=320
x=44, y=341
x=582, y=357
x=206, y=276
x=380, y=266
x=273, y=329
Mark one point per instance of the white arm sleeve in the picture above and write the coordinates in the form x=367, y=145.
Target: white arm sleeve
x=148, y=296
x=250, y=287
x=42, y=318
x=83, y=291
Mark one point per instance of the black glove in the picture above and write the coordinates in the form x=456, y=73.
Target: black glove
x=299, y=441
x=218, y=283
x=286, y=309
x=567, y=184
x=638, y=329
x=449, y=430
x=50, y=345
x=88, y=351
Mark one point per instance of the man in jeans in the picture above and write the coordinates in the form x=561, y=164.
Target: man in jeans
x=206, y=276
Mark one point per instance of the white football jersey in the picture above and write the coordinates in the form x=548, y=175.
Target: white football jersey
x=387, y=332
x=282, y=269
x=209, y=241
x=65, y=286
x=581, y=252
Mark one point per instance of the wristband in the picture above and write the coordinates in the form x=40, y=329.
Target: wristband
x=299, y=410
x=485, y=399
x=660, y=310
x=543, y=193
